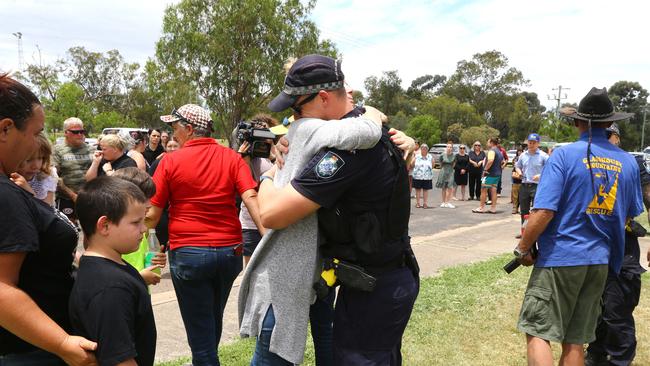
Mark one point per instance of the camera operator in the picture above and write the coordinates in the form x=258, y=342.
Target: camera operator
x=258, y=165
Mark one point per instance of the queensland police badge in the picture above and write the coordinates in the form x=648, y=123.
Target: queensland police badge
x=328, y=165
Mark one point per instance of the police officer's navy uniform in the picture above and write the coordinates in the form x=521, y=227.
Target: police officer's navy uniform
x=615, y=334
x=364, y=221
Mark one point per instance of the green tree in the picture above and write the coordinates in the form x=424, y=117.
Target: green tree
x=68, y=103
x=449, y=110
x=109, y=119
x=384, y=93
x=522, y=121
x=488, y=83
x=558, y=130
x=454, y=131
x=631, y=97
x=399, y=121
x=424, y=86
x=425, y=128
x=478, y=133
x=234, y=50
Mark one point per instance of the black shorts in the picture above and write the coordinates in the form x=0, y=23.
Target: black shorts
x=251, y=237
x=422, y=184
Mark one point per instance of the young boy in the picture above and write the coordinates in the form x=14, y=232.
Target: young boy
x=109, y=303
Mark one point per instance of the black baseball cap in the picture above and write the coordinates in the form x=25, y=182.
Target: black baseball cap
x=309, y=75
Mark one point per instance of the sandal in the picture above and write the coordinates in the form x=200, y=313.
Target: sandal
x=418, y=206
x=426, y=207
x=478, y=210
x=491, y=212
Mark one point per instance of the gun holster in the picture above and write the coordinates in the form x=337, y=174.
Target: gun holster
x=411, y=262
x=337, y=272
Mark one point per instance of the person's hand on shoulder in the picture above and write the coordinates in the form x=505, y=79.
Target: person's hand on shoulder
x=375, y=115
x=404, y=142
x=282, y=148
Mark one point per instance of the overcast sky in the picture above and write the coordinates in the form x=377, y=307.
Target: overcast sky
x=576, y=44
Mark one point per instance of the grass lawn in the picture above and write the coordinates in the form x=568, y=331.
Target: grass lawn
x=465, y=316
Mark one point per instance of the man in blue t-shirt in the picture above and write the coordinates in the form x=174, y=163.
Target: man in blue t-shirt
x=587, y=192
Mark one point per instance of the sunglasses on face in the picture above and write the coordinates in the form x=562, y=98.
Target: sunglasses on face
x=77, y=132
x=462, y=148
x=477, y=145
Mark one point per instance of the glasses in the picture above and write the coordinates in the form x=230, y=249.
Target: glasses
x=77, y=132
x=462, y=148
x=478, y=145
x=180, y=116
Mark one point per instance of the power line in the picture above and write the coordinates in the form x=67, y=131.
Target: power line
x=558, y=97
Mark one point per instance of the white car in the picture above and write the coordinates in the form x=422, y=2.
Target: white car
x=511, y=156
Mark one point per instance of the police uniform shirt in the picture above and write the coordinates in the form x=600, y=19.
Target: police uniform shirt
x=588, y=225
x=632, y=251
x=361, y=178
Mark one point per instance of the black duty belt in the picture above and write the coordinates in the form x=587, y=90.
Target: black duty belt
x=396, y=263
x=530, y=184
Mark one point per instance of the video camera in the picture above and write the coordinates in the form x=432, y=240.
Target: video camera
x=256, y=137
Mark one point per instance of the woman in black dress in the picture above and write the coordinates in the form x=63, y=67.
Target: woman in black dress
x=461, y=172
x=476, y=161
x=36, y=249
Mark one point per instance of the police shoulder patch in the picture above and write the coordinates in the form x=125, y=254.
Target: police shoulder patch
x=328, y=165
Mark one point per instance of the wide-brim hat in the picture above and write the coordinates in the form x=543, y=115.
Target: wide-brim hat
x=309, y=75
x=597, y=107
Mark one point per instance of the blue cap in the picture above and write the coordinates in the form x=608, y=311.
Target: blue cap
x=533, y=137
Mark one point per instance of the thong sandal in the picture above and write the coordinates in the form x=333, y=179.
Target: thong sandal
x=478, y=210
x=418, y=206
x=426, y=207
x=491, y=212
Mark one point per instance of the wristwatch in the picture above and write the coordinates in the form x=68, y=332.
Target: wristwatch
x=519, y=254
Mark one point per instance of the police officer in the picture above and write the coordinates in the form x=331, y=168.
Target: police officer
x=363, y=202
x=588, y=191
x=615, y=334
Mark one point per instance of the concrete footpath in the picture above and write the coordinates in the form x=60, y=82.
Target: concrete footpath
x=434, y=252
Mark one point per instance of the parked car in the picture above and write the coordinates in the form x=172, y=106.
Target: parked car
x=511, y=156
x=89, y=141
x=438, y=149
x=122, y=130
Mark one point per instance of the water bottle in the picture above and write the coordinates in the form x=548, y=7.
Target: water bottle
x=154, y=248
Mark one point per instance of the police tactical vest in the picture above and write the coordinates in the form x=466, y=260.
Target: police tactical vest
x=370, y=232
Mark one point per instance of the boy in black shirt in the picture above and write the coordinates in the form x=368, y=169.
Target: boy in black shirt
x=109, y=303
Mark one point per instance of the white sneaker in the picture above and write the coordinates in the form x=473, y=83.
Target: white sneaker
x=443, y=205
x=449, y=205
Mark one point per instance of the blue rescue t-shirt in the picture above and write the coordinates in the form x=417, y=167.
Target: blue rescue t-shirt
x=589, y=223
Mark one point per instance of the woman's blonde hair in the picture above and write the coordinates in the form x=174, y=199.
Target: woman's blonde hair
x=115, y=141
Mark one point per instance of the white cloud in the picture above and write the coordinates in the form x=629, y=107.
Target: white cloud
x=578, y=44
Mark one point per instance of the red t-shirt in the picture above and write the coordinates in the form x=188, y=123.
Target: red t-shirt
x=200, y=182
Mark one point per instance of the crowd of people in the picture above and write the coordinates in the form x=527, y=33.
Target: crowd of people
x=318, y=222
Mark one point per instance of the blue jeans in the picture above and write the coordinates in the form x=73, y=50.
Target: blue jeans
x=202, y=278
x=321, y=317
x=34, y=358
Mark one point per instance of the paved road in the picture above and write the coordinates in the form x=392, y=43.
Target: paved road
x=441, y=237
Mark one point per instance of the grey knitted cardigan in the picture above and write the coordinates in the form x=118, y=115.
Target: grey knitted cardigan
x=283, y=267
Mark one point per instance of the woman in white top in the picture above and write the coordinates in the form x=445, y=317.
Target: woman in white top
x=422, y=176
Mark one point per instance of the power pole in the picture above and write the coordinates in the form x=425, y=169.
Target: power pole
x=21, y=58
x=557, y=97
